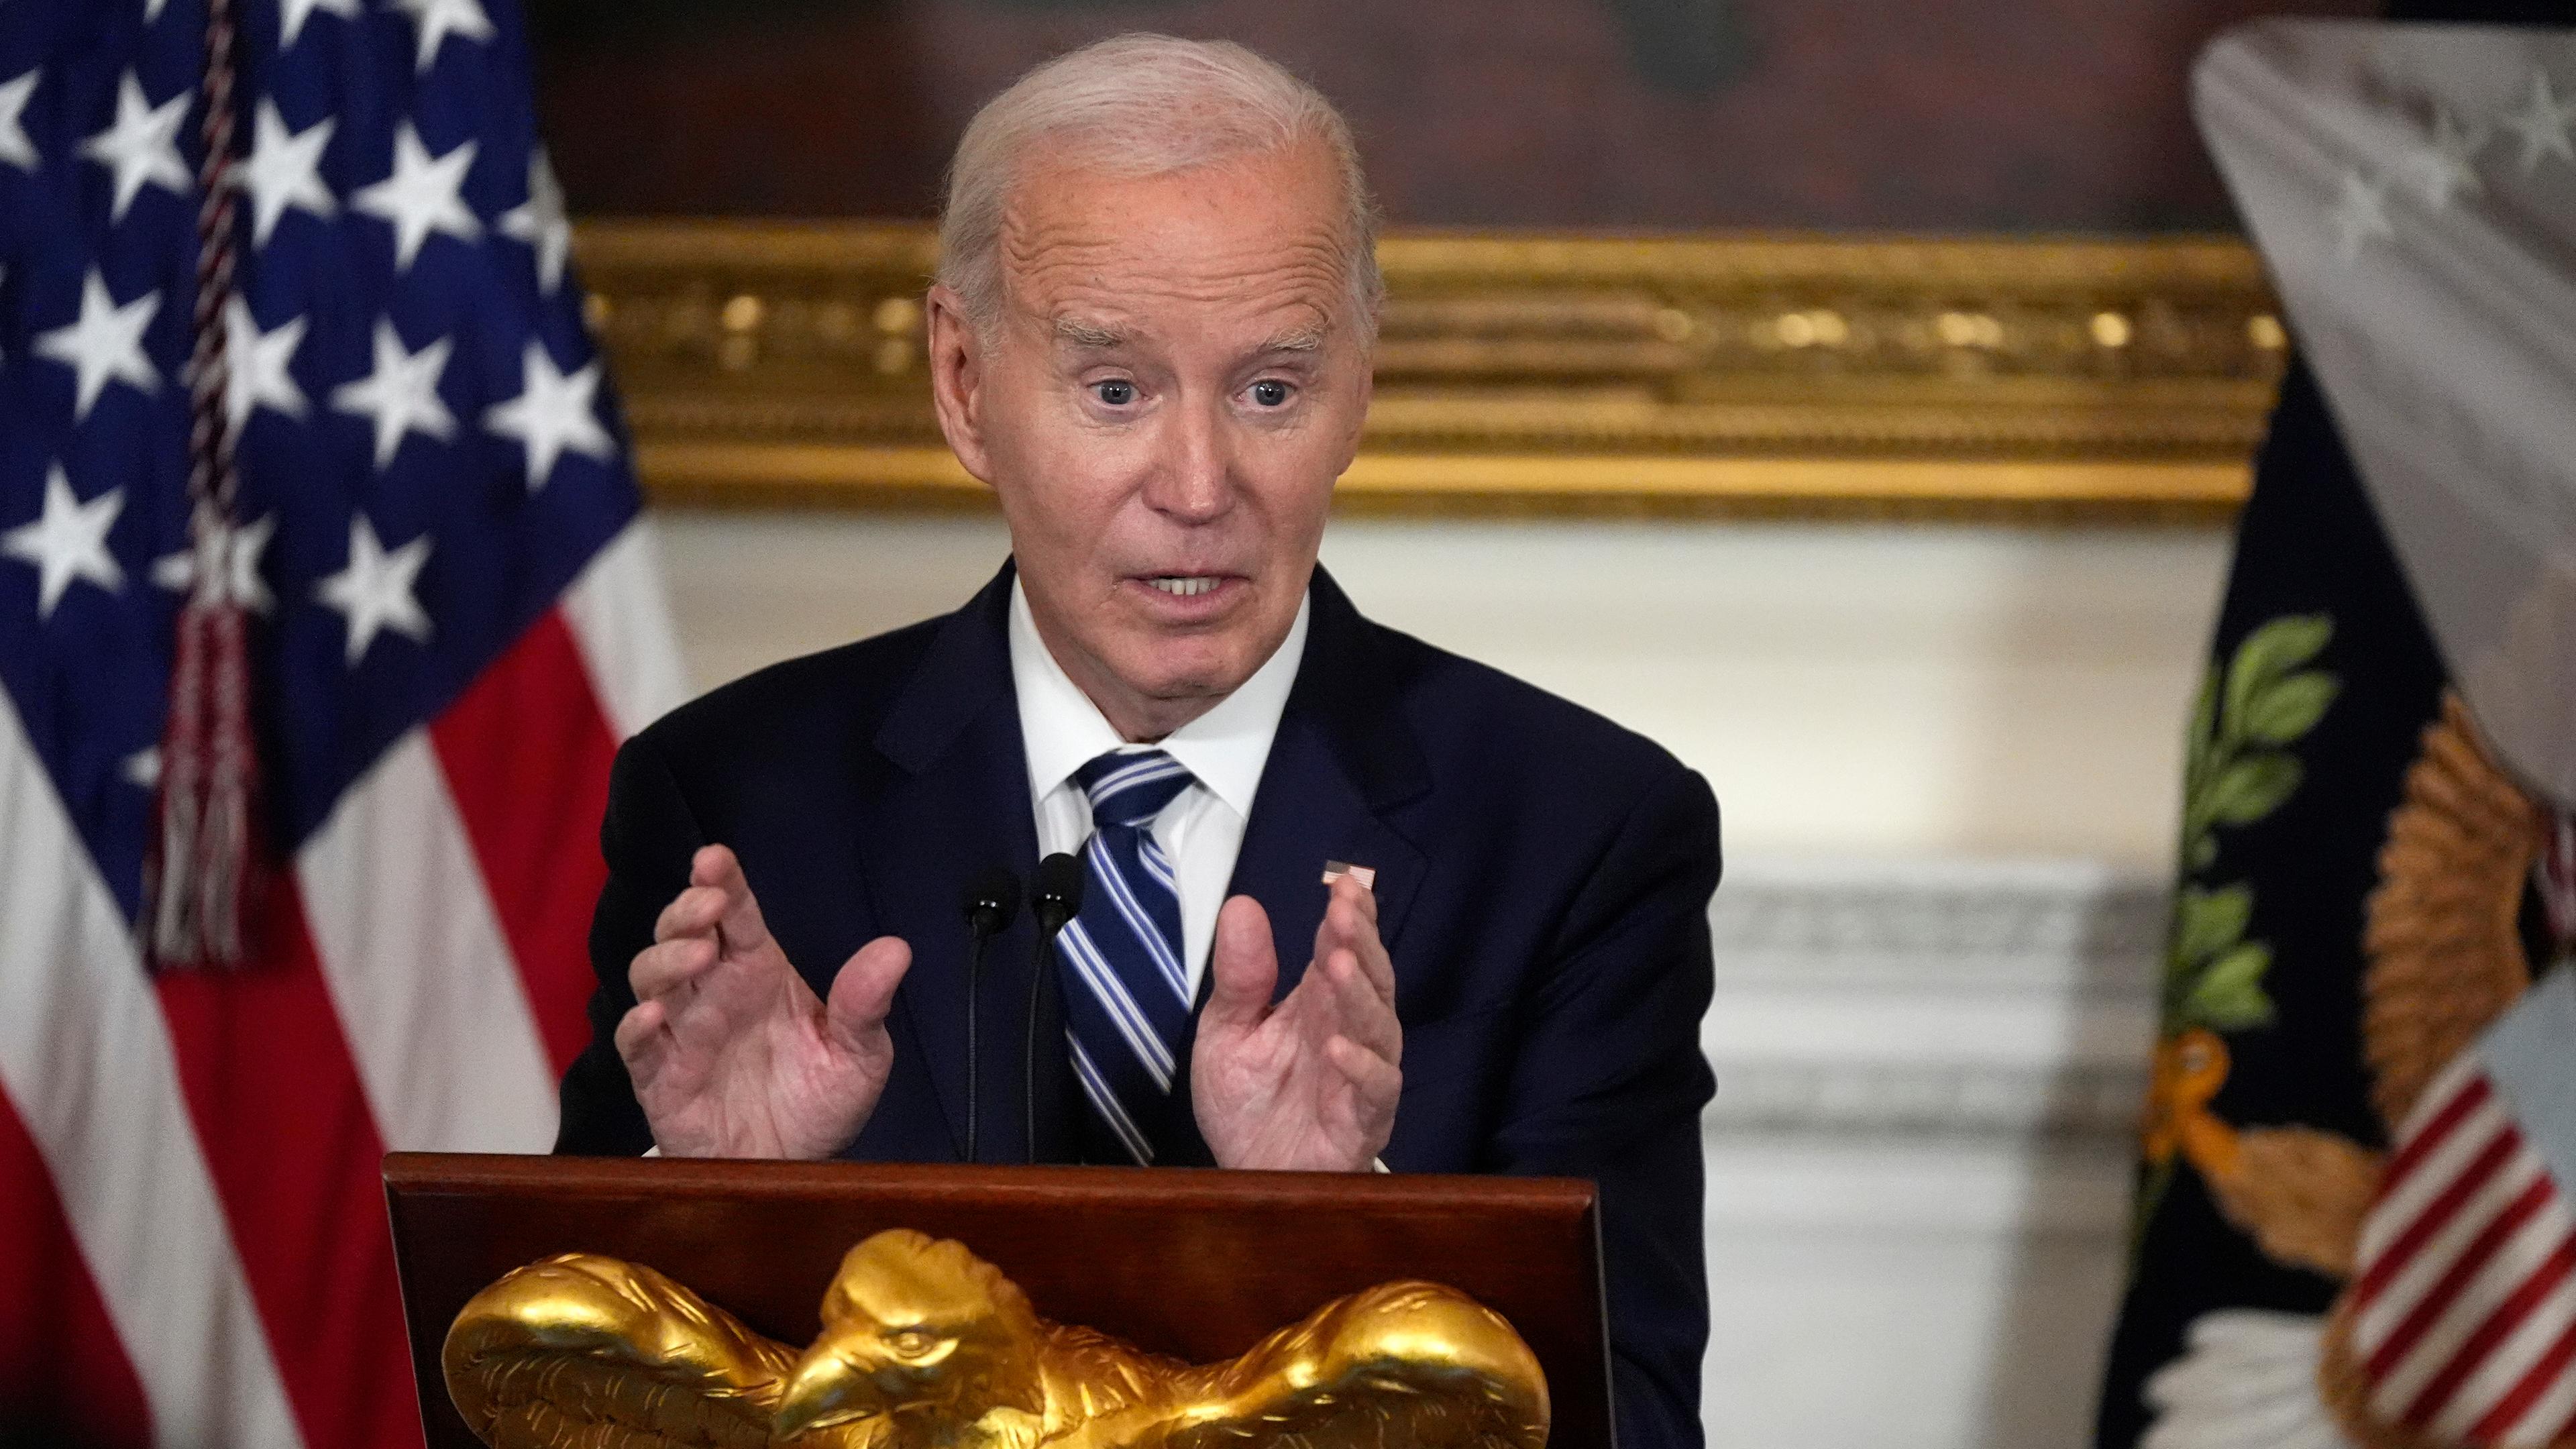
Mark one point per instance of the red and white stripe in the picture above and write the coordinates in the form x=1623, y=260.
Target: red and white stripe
x=189, y=1162
x=2464, y=1304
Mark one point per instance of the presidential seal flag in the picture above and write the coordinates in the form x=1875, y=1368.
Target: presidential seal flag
x=2356, y=1223
x=323, y=604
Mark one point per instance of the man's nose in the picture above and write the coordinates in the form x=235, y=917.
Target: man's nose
x=1194, y=479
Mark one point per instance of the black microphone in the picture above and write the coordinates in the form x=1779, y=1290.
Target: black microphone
x=1055, y=896
x=990, y=903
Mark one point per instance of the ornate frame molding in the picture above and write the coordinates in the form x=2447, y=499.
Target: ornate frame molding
x=780, y=362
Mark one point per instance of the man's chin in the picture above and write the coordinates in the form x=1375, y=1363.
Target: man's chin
x=1161, y=652
x=1189, y=687
x=1187, y=669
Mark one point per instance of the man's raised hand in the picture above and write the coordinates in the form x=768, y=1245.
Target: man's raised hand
x=731, y=1052
x=1310, y=1083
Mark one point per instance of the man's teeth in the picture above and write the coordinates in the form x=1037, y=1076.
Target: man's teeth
x=1184, y=587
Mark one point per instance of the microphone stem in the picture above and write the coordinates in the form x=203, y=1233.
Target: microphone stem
x=974, y=1071
x=1038, y=974
x=1055, y=897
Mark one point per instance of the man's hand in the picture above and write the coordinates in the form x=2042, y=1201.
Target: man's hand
x=1311, y=1083
x=731, y=1053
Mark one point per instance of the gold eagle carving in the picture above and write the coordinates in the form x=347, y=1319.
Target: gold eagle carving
x=924, y=1344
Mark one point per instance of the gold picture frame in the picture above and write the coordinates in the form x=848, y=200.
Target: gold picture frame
x=779, y=363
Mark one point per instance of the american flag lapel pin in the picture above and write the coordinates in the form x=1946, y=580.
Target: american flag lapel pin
x=1366, y=875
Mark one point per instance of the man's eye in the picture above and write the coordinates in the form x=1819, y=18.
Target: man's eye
x=1116, y=393
x=1269, y=394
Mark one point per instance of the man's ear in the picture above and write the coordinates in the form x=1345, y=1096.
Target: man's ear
x=957, y=378
x=1368, y=389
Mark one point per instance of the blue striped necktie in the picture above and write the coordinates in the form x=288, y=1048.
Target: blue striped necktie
x=1126, y=994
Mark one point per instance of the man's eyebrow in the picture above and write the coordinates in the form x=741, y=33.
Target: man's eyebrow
x=1309, y=338
x=1090, y=335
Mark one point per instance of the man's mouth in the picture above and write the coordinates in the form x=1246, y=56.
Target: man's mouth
x=1184, y=586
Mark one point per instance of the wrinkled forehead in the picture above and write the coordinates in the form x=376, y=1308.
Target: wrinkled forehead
x=1256, y=241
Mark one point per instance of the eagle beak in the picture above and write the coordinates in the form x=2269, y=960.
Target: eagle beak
x=824, y=1390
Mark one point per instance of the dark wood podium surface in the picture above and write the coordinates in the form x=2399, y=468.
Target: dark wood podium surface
x=1198, y=1264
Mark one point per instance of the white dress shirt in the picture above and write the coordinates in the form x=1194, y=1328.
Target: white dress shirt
x=1201, y=831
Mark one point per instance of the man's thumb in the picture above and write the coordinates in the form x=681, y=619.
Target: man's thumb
x=864, y=991
x=1243, y=967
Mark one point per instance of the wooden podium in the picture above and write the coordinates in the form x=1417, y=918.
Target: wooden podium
x=1197, y=1264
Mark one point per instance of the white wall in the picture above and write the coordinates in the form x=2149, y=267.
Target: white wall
x=1948, y=759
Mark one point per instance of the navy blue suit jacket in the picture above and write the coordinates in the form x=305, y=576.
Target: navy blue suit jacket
x=1543, y=879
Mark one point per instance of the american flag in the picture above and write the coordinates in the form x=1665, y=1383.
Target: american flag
x=2463, y=1307
x=296, y=268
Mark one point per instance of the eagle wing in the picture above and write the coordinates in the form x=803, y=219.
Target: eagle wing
x=2445, y=949
x=581, y=1349
x=2301, y=1194
x=1401, y=1366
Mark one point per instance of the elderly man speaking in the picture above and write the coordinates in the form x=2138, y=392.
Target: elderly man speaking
x=1151, y=337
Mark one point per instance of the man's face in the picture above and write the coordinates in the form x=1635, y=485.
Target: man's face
x=1178, y=376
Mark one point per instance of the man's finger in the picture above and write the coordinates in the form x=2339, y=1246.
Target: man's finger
x=657, y=970
x=641, y=1039
x=1375, y=1078
x=1334, y=929
x=1379, y=968
x=1361, y=1014
x=1350, y=919
x=1243, y=968
x=1364, y=943
x=741, y=924
x=863, y=992
x=1347, y=926
x=713, y=865
x=693, y=912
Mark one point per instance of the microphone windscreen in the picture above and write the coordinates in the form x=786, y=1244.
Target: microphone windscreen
x=993, y=899
x=1057, y=890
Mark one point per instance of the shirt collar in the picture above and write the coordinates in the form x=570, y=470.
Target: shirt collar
x=1061, y=730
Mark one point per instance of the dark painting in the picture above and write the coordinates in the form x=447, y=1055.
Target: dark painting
x=1904, y=115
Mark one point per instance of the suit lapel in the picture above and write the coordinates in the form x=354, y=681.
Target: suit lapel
x=1332, y=771
x=1341, y=763
x=957, y=805
x=1309, y=811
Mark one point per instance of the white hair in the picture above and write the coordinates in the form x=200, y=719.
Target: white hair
x=1142, y=105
